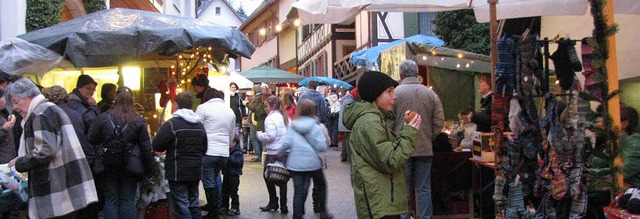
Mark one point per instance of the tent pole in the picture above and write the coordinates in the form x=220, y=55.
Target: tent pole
x=120, y=77
x=494, y=40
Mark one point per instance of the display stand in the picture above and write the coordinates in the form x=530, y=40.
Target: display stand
x=451, y=186
x=478, y=178
x=530, y=164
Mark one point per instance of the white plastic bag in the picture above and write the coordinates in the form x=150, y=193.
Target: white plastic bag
x=18, y=57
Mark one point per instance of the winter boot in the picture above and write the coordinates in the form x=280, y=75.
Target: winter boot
x=273, y=205
x=283, y=205
x=283, y=200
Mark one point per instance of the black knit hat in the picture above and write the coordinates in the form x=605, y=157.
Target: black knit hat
x=200, y=80
x=373, y=83
x=83, y=80
x=4, y=76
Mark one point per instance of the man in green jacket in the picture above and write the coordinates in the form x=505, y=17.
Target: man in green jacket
x=257, y=117
x=377, y=168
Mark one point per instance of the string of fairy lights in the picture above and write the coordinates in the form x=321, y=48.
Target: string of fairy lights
x=435, y=60
x=193, y=62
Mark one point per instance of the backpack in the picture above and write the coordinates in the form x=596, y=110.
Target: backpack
x=116, y=150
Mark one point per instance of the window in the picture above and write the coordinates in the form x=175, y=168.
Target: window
x=347, y=50
x=424, y=20
x=238, y=64
x=309, y=70
x=321, y=69
x=217, y=10
x=308, y=29
x=313, y=67
x=252, y=37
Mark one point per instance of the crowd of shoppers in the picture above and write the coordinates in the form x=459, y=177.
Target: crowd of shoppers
x=66, y=137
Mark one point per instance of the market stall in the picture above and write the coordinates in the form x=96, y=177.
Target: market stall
x=153, y=54
x=440, y=68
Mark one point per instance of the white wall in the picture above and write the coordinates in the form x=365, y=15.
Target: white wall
x=577, y=27
x=283, y=9
x=226, y=16
x=395, y=22
x=362, y=29
x=186, y=8
x=262, y=54
x=12, y=18
x=286, y=47
x=172, y=7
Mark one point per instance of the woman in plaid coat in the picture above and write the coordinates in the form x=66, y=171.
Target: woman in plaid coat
x=60, y=180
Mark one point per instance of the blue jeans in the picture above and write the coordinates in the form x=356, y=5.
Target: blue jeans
x=211, y=167
x=419, y=170
x=332, y=127
x=245, y=139
x=120, y=195
x=301, y=181
x=185, y=199
x=257, y=145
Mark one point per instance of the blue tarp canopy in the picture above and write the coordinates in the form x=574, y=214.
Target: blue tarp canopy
x=370, y=56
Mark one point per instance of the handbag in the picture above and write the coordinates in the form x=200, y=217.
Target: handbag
x=134, y=161
x=277, y=173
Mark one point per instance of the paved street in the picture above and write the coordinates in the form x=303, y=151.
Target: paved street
x=253, y=192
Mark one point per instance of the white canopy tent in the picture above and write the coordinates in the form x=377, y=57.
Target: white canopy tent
x=332, y=11
x=343, y=11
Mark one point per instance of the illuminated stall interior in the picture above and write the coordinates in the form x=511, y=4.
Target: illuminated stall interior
x=150, y=80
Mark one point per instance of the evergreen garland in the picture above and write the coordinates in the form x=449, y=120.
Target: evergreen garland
x=43, y=13
x=91, y=6
x=600, y=45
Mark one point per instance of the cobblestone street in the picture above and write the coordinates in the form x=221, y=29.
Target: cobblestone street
x=253, y=192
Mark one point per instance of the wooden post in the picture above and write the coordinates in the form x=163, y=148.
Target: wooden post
x=493, y=26
x=612, y=67
x=612, y=79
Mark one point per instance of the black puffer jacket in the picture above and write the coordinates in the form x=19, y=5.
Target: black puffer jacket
x=136, y=133
x=234, y=163
x=88, y=112
x=185, y=140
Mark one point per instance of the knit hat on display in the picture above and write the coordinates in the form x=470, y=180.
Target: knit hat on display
x=84, y=80
x=373, y=83
x=200, y=80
